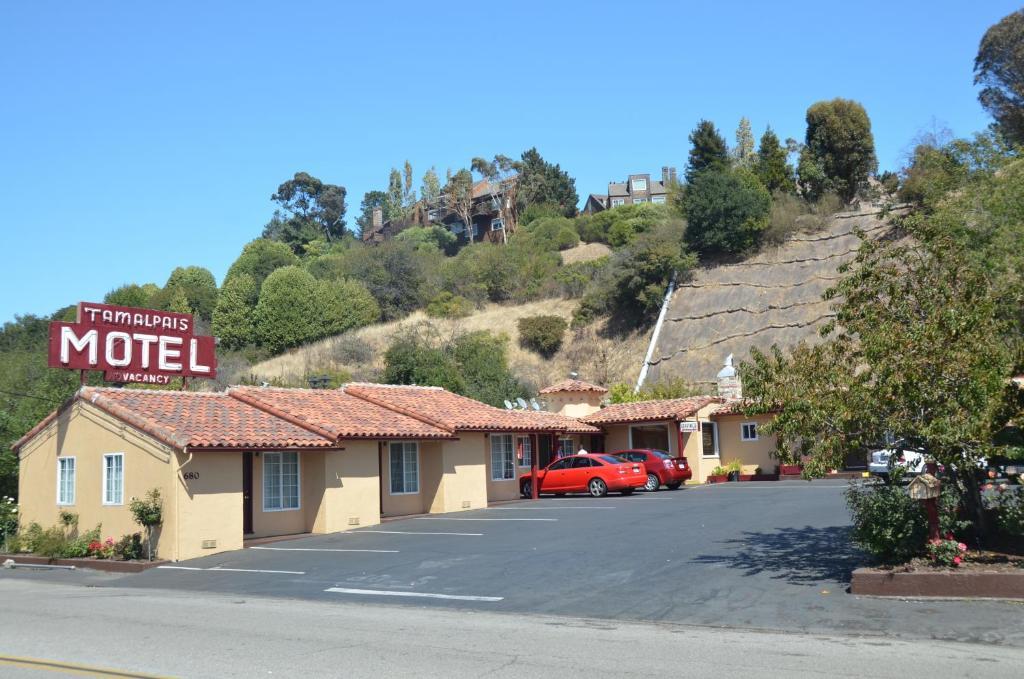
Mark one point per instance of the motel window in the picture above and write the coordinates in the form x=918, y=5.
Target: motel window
x=658, y=199
x=405, y=468
x=497, y=225
x=748, y=431
x=280, y=481
x=616, y=202
x=566, y=447
x=113, y=479
x=526, y=443
x=639, y=184
x=65, y=480
x=709, y=438
x=503, y=458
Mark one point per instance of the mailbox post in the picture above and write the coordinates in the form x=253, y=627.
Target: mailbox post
x=927, y=488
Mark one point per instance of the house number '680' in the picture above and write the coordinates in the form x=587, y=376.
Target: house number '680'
x=190, y=476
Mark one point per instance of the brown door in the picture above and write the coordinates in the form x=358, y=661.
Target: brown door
x=247, y=493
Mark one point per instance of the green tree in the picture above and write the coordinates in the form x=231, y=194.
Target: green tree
x=308, y=209
x=926, y=336
x=189, y=290
x=344, y=305
x=394, y=200
x=430, y=189
x=408, y=193
x=434, y=237
x=132, y=295
x=458, y=198
x=542, y=182
x=259, y=258
x=707, y=150
x=233, y=316
x=288, y=312
x=743, y=152
x=839, y=149
x=726, y=212
x=399, y=275
x=771, y=166
x=372, y=200
x=999, y=69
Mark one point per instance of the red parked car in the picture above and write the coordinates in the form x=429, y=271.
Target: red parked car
x=594, y=473
x=662, y=468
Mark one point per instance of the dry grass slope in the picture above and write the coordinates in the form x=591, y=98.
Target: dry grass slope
x=361, y=352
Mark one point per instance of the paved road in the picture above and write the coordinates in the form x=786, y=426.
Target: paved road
x=757, y=556
x=214, y=635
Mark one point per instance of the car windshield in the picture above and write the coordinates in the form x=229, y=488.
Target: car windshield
x=611, y=459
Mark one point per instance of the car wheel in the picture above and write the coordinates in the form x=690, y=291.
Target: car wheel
x=653, y=483
x=674, y=486
x=527, y=490
x=627, y=491
x=597, y=487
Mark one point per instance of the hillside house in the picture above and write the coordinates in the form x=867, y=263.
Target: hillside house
x=637, y=189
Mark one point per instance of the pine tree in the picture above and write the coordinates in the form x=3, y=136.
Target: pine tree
x=744, y=151
x=408, y=194
x=393, y=205
x=770, y=164
x=431, y=187
x=707, y=150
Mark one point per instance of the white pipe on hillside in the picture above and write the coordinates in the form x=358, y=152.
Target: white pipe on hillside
x=654, y=336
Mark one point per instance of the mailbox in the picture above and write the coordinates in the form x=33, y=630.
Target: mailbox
x=925, y=487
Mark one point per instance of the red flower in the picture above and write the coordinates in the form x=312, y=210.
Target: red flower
x=956, y=560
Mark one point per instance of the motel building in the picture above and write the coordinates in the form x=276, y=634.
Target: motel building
x=254, y=462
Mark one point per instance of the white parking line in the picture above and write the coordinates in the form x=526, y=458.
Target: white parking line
x=325, y=549
x=552, y=507
x=445, y=518
x=421, y=595
x=411, y=532
x=229, y=570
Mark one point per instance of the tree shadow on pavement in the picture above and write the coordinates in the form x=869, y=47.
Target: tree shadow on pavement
x=800, y=556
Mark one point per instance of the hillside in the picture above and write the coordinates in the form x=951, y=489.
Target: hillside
x=772, y=298
x=360, y=353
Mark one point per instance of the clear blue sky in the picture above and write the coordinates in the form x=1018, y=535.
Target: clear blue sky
x=136, y=137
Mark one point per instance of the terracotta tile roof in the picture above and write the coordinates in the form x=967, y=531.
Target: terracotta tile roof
x=734, y=407
x=339, y=413
x=646, y=411
x=199, y=419
x=573, y=385
x=459, y=413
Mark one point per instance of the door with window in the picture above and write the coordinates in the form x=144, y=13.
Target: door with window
x=247, y=493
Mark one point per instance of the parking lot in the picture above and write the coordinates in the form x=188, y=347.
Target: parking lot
x=753, y=555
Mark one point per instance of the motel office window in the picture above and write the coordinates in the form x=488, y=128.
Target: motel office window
x=65, y=480
x=280, y=481
x=709, y=438
x=503, y=458
x=526, y=443
x=748, y=431
x=405, y=467
x=113, y=479
x=565, y=448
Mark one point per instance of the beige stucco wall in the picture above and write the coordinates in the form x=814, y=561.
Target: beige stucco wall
x=207, y=505
x=574, y=404
x=499, y=490
x=465, y=473
x=750, y=453
x=352, y=488
x=86, y=433
x=430, y=471
x=286, y=521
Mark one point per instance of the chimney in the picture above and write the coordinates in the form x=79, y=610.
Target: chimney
x=377, y=220
x=664, y=174
x=729, y=385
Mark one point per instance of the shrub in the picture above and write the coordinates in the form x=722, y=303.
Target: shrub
x=574, y=278
x=148, y=513
x=8, y=518
x=567, y=238
x=233, y=316
x=260, y=258
x=946, y=552
x=344, y=305
x=542, y=334
x=129, y=548
x=447, y=305
x=351, y=349
x=195, y=285
x=1009, y=507
x=726, y=211
x=792, y=214
x=671, y=388
x=287, y=313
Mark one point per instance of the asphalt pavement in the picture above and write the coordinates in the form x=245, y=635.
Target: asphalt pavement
x=764, y=556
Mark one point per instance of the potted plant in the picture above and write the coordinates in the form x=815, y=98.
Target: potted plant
x=718, y=475
x=734, y=468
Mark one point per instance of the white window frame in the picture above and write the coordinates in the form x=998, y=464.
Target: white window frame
x=403, y=448
x=639, y=184
x=527, y=460
x=507, y=452
x=499, y=222
x=562, y=442
x=103, y=489
x=74, y=480
x=743, y=431
x=658, y=200
x=714, y=428
x=618, y=202
x=298, y=481
x=639, y=200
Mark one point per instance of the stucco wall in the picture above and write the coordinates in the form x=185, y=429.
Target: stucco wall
x=86, y=433
x=352, y=488
x=574, y=404
x=749, y=452
x=207, y=505
x=465, y=473
x=498, y=490
x=285, y=521
x=432, y=476
x=411, y=503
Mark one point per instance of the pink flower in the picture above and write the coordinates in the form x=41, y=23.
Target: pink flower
x=961, y=546
x=956, y=560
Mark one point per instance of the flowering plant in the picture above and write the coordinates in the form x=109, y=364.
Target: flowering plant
x=102, y=550
x=946, y=551
x=8, y=518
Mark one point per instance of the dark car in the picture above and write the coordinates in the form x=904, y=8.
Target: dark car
x=662, y=468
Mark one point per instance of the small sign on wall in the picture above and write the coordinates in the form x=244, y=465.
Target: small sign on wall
x=688, y=427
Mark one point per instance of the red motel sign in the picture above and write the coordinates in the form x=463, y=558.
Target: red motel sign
x=132, y=345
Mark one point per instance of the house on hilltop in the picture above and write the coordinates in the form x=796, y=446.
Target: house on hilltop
x=638, y=188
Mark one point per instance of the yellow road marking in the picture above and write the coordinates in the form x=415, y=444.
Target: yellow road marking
x=70, y=668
